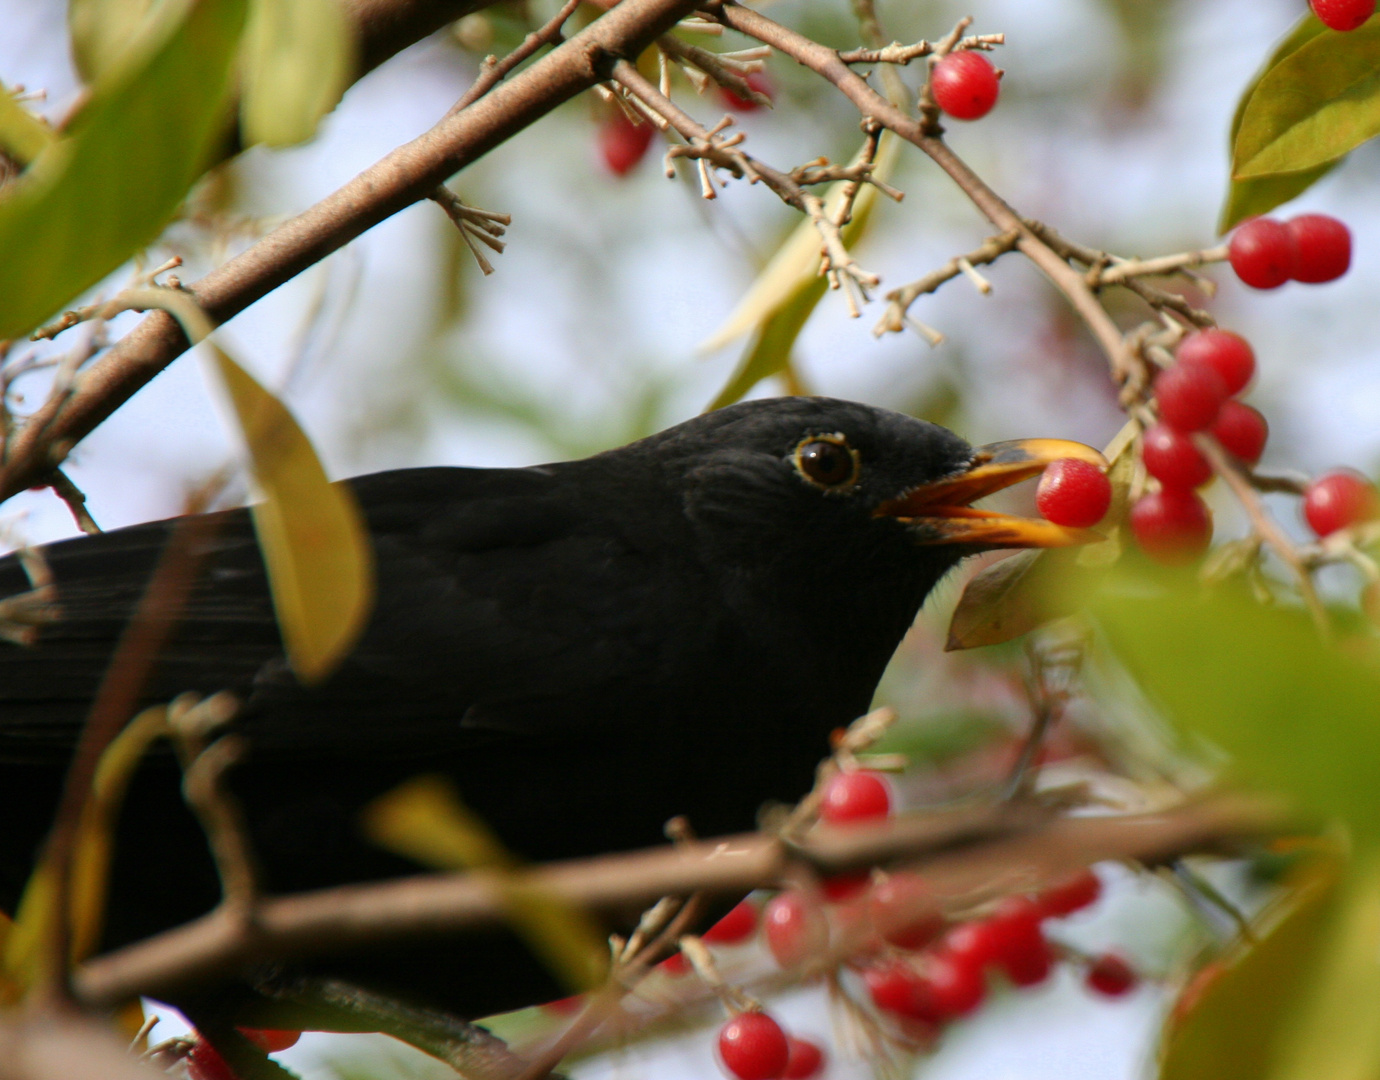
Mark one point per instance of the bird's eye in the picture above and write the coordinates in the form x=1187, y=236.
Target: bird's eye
x=830, y=463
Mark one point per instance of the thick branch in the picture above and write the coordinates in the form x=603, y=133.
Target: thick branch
x=406, y=175
x=959, y=850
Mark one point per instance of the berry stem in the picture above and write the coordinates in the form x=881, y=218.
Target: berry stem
x=1265, y=527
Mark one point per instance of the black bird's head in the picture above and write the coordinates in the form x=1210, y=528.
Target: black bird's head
x=840, y=517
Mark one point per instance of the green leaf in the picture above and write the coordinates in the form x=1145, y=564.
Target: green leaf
x=1333, y=1032
x=781, y=300
x=1251, y=198
x=107, y=189
x=1224, y=1024
x=298, y=58
x=1296, y=714
x=102, y=30
x=1313, y=106
x=426, y=821
x=315, y=545
x=23, y=136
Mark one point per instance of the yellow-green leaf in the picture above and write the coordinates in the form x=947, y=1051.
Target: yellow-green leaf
x=90, y=857
x=87, y=203
x=1296, y=714
x=1316, y=104
x=1228, y=1030
x=103, y=30
x=1250, y=198
x=298, y=58
x=425, y=821
x=778, y=304
x=23, y=136
x=1333, y=1030
x=315, y=545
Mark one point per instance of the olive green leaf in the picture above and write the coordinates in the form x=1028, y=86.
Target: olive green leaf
x=1295, y=714
x=426, y=821
x=109, y=185
x=781, y=300
x=298, y=58
x=102, y=30
x=315, y=545
x=1312, y=106
x=1251, y=198
x=1225, y=1022
x=23, y=136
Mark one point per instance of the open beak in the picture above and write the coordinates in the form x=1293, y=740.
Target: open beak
x=940, y=513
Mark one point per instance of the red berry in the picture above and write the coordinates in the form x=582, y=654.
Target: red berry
x=805, y=1059
x=1324, y=244
x=1230, y=355
x=855, y=796
x=205, y=1063
x=1017, y=943
x=623, y=143
x=1263, y=253
x=568, y=1006
x=753, y=1047
x=271, y=1040
x=1172, y=459
x=1171, y=525
x=843, y=887
x=737, y=926
x=1241, y=431
x=904, y=912
x=897, y=988
x=1080, y=891
x=953, y=986
x=1342, y=15
x=1189, y=396
x=1111, y=975
x=675, y=965
x=974, y=943
x=758, y=81
x=1339, y=499
x=965, y=85
x=1074, y=493
x=795, y=927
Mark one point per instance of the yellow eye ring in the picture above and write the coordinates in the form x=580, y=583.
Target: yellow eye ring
x=827, y=462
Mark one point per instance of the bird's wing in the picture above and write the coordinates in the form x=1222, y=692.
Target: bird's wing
x=497, y=596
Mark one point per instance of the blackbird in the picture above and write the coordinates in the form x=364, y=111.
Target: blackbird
x=586, y=649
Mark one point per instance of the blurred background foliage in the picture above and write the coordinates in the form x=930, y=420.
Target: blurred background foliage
x=1114, y=126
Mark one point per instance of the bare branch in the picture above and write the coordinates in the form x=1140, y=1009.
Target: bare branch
x=896, y=53
x=409, y=173
x=960, y=850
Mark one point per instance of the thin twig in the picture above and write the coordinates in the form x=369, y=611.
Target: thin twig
x=900, y=300
x=896, y=53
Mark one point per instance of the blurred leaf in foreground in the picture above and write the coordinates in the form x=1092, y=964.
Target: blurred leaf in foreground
x=87, y=203
x=298, y=59
x=1296, y=714
x=425, y=821
x=314, y=540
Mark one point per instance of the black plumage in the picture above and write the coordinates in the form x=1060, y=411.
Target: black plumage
x=587, y=648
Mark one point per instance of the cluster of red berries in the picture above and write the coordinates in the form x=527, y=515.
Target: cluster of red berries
x=916, y=968
x=965, y=84
x=1343, y=15
x=1311, y=248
